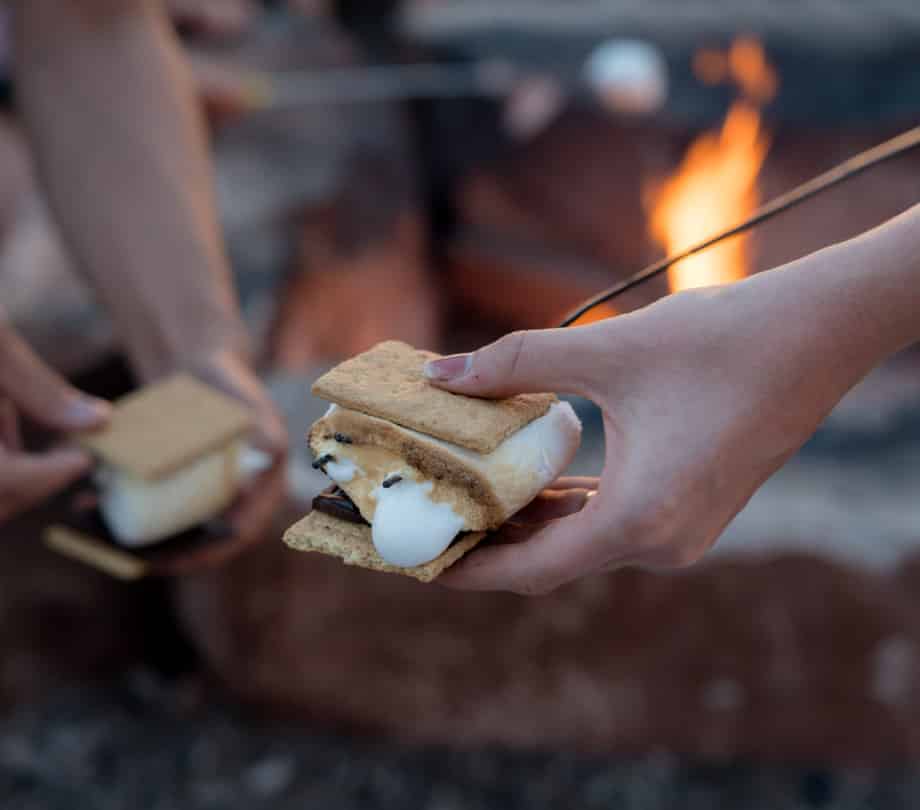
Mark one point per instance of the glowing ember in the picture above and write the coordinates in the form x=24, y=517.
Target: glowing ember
x=716, y=184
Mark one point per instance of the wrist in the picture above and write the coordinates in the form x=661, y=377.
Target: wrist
x=852, y=305
x=890, y=276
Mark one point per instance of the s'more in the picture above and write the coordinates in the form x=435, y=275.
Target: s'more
x=419, y=475
x=168, y=460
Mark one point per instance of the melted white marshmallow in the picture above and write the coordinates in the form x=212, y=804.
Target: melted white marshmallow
x=529, y=459
x=409, y=528
x=141, y=513
x=343, y=470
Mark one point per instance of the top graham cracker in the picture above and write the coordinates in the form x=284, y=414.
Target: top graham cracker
x=160, y=429
x=387, y=382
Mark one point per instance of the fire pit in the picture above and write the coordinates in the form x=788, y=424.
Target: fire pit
x=748, y=115
x=798, y=639
x=807, y=648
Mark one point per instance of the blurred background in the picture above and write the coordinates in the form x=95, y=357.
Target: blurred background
x=442, y=172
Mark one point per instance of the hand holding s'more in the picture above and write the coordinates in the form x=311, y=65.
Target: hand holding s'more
x=419, y=475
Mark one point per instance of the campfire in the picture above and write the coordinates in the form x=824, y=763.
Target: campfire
x=715, y=185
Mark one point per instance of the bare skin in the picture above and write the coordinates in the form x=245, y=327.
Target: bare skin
x=28, y=387
x=122, y=154
x=705, y=395
x=215, y=18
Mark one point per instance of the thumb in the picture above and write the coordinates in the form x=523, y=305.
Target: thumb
x=43, y=394
x=520, y=363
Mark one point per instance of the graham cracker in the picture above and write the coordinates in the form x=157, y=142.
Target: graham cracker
x=95, y=553
x=387, y=381
x=156, y=431
x=352, y=544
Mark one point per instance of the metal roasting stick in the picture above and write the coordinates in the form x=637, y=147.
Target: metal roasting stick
x=628, y=77
x=849, y=168
x=487, y=79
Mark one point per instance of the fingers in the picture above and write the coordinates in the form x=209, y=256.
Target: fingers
x=558, y=553
x=231, y=375
x=574, y=482
x=522, y=362
x=43, y=394
x=248, y=521
x=85, y=501
x=227, y=89
x=552, y=504
x=9, y=426
x=26, y=480
x=269, y=435
x=252, y=514
x=525, y=555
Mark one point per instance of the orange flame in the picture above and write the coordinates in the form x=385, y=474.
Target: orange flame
x=749, y=67
x=715, y=185
x=598, y=313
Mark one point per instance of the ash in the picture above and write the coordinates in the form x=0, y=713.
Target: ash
x=140, y=743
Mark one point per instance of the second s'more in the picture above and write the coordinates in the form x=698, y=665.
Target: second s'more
x=169, y=459
x=419, y=474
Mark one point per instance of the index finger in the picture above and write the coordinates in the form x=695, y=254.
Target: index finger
x=40, y=392
x=9, y=426
x=552, y=504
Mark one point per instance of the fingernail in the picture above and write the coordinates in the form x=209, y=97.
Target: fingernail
x=449, y=368
x=87, y=412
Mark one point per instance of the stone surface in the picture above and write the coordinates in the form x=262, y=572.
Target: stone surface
x=147, y=745
x=797, y=638
x=61, y=622
x=791, y=658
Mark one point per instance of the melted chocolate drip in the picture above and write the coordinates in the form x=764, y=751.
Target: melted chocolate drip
x=332, y=501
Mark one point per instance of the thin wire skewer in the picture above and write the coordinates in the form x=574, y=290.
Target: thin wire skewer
x=849, y=168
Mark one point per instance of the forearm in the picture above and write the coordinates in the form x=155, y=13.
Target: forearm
x=885, y=267
x=123, y=158
x=851, y=305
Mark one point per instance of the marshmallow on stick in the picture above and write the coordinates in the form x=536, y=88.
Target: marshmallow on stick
x=427, y=472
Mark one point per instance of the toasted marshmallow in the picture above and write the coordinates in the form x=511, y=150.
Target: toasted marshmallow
x=419, y=492
x=140, y=513
x=409, y=528
x=169, y=458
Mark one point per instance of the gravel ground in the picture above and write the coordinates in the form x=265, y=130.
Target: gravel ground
x=142, y=743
